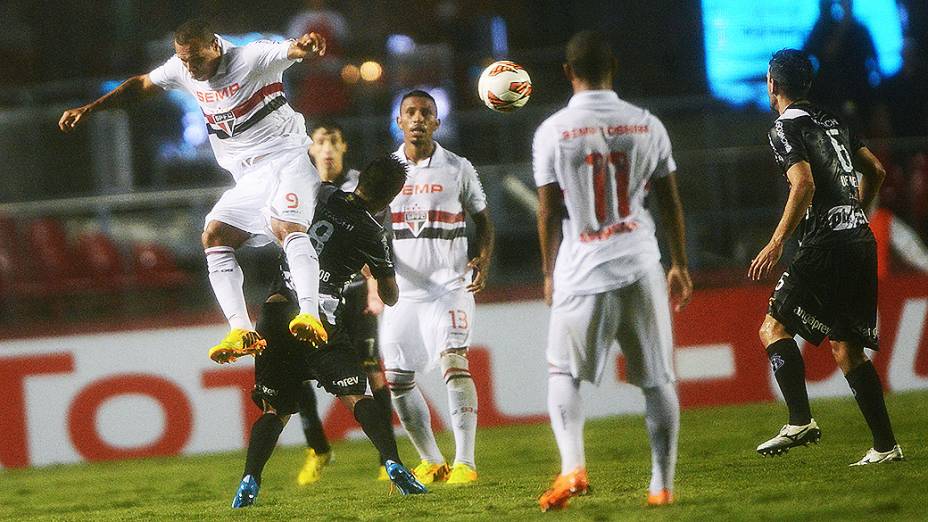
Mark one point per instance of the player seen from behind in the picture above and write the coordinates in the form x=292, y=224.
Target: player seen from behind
x=594, y=162
x=830, y=287
x=347, y=238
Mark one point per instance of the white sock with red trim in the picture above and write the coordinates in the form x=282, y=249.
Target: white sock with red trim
x=662, y=418
x=462, y=402
x=413, y=412
x=565, y=407
x=226, y=278
x=304, y=271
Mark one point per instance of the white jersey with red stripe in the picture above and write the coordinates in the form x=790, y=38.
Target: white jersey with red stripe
x=244, y=106
x=603, y=153
x=428, y=224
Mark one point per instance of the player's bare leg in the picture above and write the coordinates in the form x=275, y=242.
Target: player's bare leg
x=565, y=409
x=462, y=402
x=225, y=276
x=414, y=414
x=868, y=392
x=789, y=371
x=304, y=271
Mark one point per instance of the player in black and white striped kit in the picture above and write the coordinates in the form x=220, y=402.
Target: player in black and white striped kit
x=830, y=286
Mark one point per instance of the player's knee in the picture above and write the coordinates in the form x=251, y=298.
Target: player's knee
x=847, y=356
x=282, y=229
x=771, y=331
x=454, y=359
x=400, y=382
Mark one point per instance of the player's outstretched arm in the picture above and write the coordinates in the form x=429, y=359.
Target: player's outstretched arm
x=801, y=190
x=670, y=207
x=307, y=45
x=550, y=216
x=872, y=176
x=131, y=90
x=486, y=239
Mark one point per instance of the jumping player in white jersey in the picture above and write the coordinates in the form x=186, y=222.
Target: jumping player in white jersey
x=594, y=163
x=257, y=137
x=432, y=321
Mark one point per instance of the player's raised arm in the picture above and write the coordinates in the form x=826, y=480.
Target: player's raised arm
x=873, y=174
x=671, y=210
x=129, y=91
x=801, y=190
x=486, y=239
x=307, y=45
x=550, y=216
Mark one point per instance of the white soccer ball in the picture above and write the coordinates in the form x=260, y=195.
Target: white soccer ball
x=504, y=86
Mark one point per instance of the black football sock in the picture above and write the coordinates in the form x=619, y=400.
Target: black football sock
x=369, y=415
x=264, y=434
x=382, y=397
x=312, y=425
x=865, y=383
x=790, y=372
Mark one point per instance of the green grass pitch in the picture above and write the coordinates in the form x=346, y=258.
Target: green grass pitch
x=719, y=477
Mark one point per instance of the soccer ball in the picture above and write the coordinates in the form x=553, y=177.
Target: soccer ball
x=504, y=86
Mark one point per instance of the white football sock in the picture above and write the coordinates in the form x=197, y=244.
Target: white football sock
x=565, y=407
x=413, y=412
x=462, y=401
x=304, y=271
x=662, y=417
x=226, y=278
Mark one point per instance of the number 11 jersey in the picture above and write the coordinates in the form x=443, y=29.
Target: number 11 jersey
x=603, y=153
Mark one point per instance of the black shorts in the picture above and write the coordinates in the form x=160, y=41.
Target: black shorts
x=287, y=366
x=830, y=292
x=361, y=327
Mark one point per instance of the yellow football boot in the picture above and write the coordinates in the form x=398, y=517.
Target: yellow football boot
x=382, y=474
x=427, y=472
x=238, y=343
x=462, y=474
x=308, y=328
x=311, y=471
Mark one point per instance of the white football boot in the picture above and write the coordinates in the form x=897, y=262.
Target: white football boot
x=878, y=457
x=791, y=436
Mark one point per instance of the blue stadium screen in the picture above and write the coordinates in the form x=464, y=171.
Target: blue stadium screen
x=740, y=37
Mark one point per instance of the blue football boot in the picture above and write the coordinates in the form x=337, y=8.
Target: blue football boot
x=403, y=480
x=247, y=493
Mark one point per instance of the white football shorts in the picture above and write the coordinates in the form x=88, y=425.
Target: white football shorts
x=280, y=185
x=414, y=333
x=637, y=317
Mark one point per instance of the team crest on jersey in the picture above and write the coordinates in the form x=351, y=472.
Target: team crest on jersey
x=415, y=218
x=225, y=121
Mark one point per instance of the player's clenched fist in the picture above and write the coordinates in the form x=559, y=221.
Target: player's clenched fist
x=311, y=43
x=71, y=117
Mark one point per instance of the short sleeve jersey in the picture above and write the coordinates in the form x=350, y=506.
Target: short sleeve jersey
x=243, y=104
x=602, y=152
x=346, y=237
x=806, y=133
x=428, y=223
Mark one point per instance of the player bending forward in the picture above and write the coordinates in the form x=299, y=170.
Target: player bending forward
x=432, y=321
x=594, y=163
x=347, y=238
x=830, y=287
x=359, y=314
x=257, y=137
